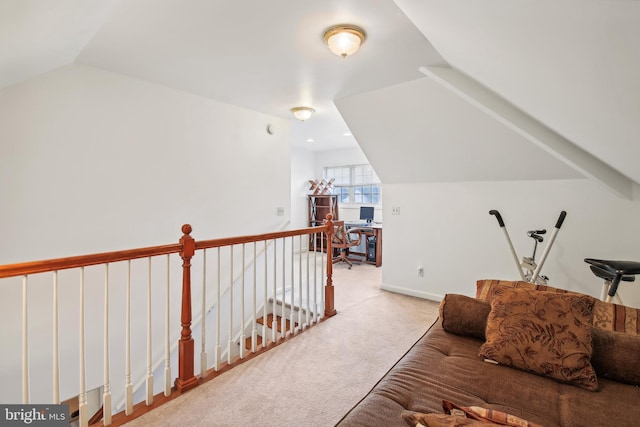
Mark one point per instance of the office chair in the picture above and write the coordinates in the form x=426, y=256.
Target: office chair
x=343, y=239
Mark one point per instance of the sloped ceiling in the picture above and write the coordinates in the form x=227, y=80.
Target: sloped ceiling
x=570, y=65
x=37, y=36
x=423, y=133
x=573, y=65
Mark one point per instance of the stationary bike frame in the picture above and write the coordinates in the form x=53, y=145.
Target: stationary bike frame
x=533, y=271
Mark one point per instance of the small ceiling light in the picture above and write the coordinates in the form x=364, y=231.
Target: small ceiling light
x=302, y=113
x=344, y=40
x=310, y=140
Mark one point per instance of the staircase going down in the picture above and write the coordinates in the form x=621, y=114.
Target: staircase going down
x=301, y=320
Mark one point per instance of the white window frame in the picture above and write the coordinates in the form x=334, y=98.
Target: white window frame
x=351, y=177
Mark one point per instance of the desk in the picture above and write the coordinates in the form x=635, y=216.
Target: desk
x=369, y=231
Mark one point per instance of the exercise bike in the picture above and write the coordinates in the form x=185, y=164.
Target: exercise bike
x=528, y=269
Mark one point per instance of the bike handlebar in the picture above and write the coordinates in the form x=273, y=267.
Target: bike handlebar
x=498, y=217
x=563, y=214
x=535, y=235
x=561, y=218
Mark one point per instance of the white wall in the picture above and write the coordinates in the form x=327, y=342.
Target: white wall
x=302, y=170
x=83, y=147
x=94, y=161
x=350, y=156
x=446, y=228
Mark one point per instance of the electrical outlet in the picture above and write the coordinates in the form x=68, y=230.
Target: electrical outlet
x=280, y=211
x=395, y=210
x=420, y=272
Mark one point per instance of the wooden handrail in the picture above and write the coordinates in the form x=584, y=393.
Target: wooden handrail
x=186, y=249
x=228, y=241
x=33, y=267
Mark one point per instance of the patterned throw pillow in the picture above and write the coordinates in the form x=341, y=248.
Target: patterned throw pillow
x=417, y=419
x=617, y=318
x=456, y=415
x=486, y=288
x=487, y=415
x=606, y=315
x=542, y=332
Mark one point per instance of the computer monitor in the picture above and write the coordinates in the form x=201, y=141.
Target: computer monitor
x=366, y=213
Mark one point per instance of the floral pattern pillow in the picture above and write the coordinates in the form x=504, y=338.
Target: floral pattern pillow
x=417, y=419
x=546, y=333
x=606, y=315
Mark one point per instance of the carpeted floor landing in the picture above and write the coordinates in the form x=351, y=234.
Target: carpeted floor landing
x=315, y=378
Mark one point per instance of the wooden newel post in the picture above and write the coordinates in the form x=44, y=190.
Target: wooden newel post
x=186, y=379
x=329, y=307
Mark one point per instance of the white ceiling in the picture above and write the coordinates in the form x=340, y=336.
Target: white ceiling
x=572, y=65
x=268, y=60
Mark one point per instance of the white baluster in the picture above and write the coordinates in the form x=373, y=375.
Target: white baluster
x=315, y=285
x=266, y=299
x=242, y=318
x=25, y=343
x=218, y=345
x=128, y=386
x=203, y=350
x=292, y=316
x=274, y=321
x=300, y=322
x=324, y=258
x=308, y=317
x=230, y=345
x=149, y=399
x=83, y=420
x=254, y=331
x=106, y=395
x=56, y=353
x=167, y=328
x=283, y=318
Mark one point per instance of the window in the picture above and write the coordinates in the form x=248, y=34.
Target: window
x=356, y=184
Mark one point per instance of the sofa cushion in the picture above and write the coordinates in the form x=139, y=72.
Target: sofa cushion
x=443, y=366
x=543, y=332
x=463, y=315
x=616, y=356
x=607, y=316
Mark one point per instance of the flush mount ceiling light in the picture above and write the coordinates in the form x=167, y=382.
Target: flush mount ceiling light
x=344, y=40
x=302, y=113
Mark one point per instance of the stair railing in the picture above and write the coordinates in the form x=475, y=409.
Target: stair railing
x=304, y=256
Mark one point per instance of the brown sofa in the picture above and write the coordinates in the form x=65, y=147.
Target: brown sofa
x=444, y=365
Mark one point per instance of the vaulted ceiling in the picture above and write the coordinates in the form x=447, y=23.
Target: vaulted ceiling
x=441, y=90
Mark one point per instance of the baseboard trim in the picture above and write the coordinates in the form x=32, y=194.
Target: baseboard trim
x=412, y=292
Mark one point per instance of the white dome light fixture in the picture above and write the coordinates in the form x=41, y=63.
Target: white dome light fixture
x=302, y=113
x=344, y=40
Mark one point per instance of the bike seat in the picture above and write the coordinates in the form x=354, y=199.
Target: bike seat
x=615, y=267
x=607, y=275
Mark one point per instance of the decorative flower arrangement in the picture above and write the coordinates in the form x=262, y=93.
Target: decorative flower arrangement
x=321, y=187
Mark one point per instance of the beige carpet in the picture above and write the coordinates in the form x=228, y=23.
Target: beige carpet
x=315, y=378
